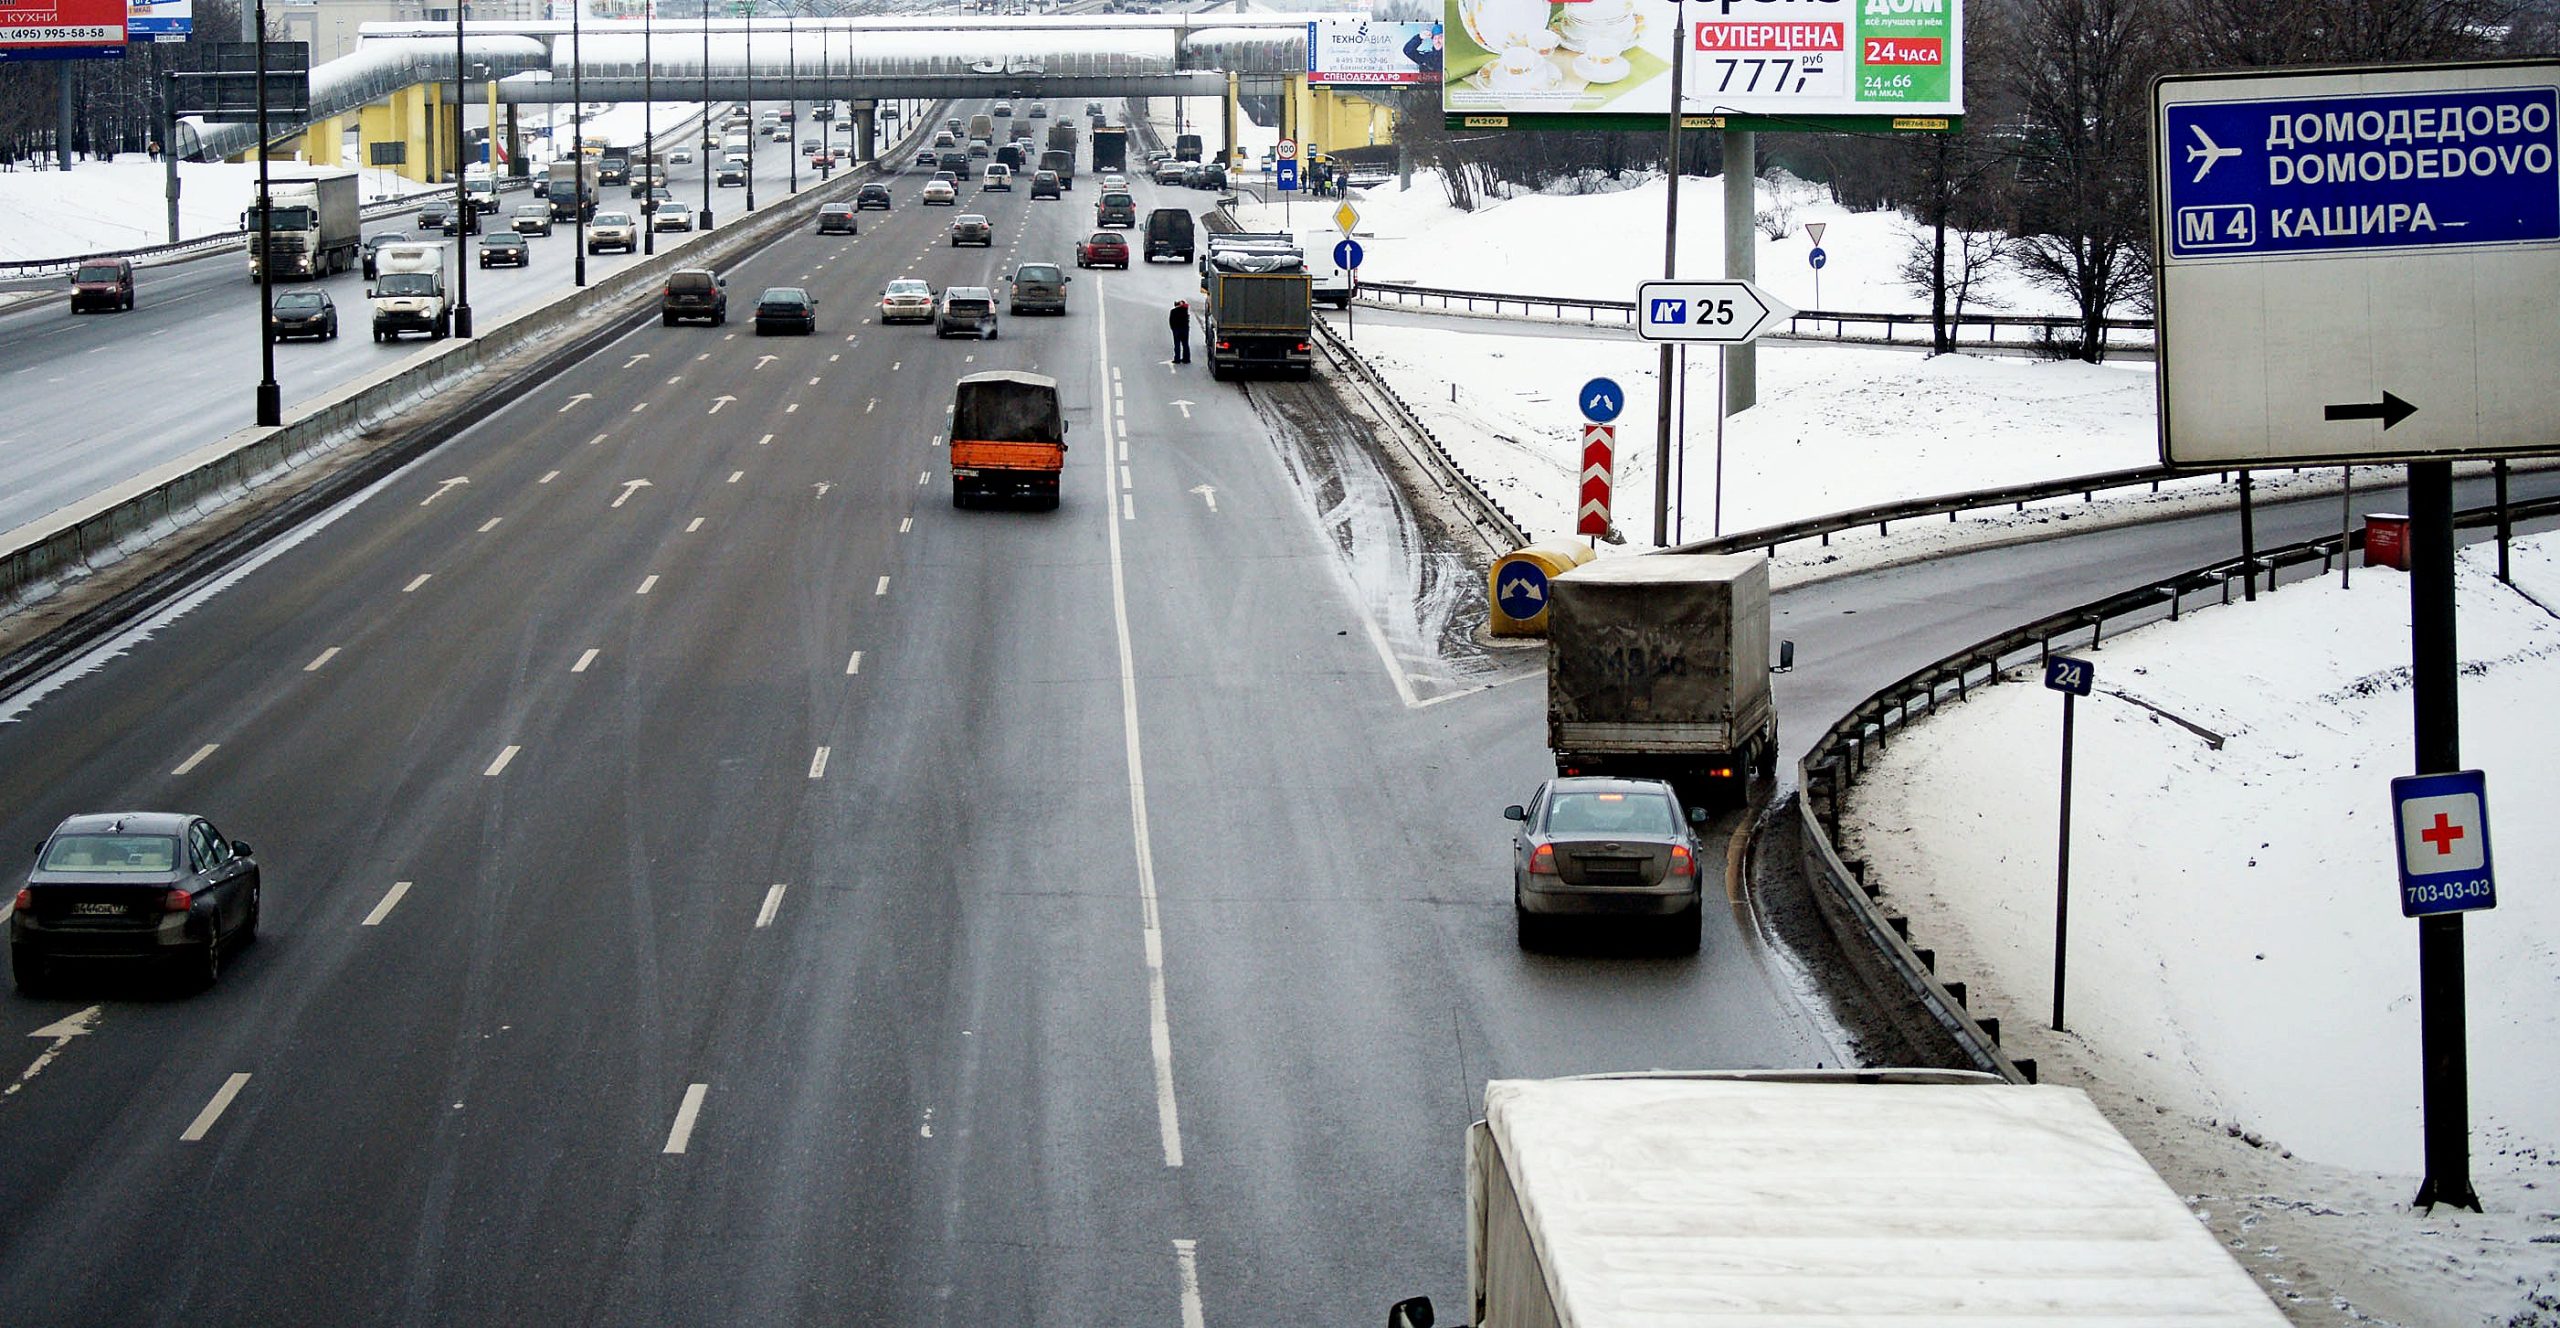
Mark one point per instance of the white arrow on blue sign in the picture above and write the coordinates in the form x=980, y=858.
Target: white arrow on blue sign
x=1602, y=399
x=1521, y=590
x=1817, y=258
x=1347, y=254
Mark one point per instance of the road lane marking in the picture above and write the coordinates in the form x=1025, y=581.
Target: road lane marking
x=764, y=441
x=1186, y=1258
x=422, y=579
x=818, y=764
x=675, y=380
x=1151, y=920
x=444, y=488
x=389, y=902
x=772, y=905
x=876, y=591
x=736, y=475
x=213, y=1110
x=584, y=660
x=1124, y=476
x=813, y=382
x=894, y=364
x=62, y=1031
x=682, y=1135
x=320, y=660
x=1128, y=507
x=490, y=524
x=792, y=409
x=209, y=748
x=906, y=524
x=582, y=396
x=639, y=406
x=645, y=583
x=496, y=766
x=598, y=439
x=923, y=475
x=548, y=476
x=870, y=406
x=854, y=665
x=693, y=525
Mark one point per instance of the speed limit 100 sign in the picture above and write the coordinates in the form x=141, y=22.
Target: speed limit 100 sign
x=1288, y=149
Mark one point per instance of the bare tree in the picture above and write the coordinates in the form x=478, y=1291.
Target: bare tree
x=2215, y=34
x=1949, y=266
x=2082, y=85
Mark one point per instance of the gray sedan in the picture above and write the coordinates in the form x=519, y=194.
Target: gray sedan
x=1615, y=848
x=152, y=886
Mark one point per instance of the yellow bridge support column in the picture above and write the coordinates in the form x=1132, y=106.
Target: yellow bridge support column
x=404, y=118
x=324, y=141
x=1227, y=125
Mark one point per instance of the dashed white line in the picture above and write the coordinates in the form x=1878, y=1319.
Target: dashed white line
x=498, y=767
x=1186, y=1259
x=813, y=381
x=765, y=441
x=854, y=665
x=213, y=1110
x=876, y=591
x=422, y=579
x=772, y=905
x=211, y=747
x=389, y=902
x=598, y=439
x=639, y=406
x=693, y=525
x=548, y=476
x=871, y=405
x=1128, y=507
x=320, y=660
x=736, y=475
x=905, y=524
x=682, y=1134
x=818, y=763
x=792, y=409
x=584, y=660
x=646, y=583
x=675, y=380
x=490, y=524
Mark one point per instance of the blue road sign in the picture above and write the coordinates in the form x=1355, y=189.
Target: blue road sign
x=1667, y=312
x=1288, y=175
x=1817, y=258
x=2062, y=673
x=2371, y=171
x=1602, y=399
x=1520, y=589
x=2442, y=824
x=1347, y=254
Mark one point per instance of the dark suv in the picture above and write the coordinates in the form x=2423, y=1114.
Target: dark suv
x=694, y=293
x=873, y=195
x=102, y=283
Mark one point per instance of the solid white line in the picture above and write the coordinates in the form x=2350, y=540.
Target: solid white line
x=193, y=761
x=317, y=661
x=682, y=1134
x=490, y=524
x=1159, y=1028
x=383, y=909
x=645, y=583
x=213, y=1110
x=772, y=905
x=693, y=525
x=583, y=661
x=854, y=665
x=818, y=764
x=423, y=578
x=501, y=763
x=1186, y=1257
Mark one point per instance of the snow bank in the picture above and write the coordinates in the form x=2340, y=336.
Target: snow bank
x=102, y=206
x=2239, y=967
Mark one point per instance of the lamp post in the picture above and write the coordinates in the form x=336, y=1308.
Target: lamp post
x=1670, y=272
x=270, y=396
x=747, y=9
x=791, y=90
x=578, y=132
x=707, y=140
x=648, y=127
x=465, y=219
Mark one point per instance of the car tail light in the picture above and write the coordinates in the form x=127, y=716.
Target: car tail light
x=176, y=901
x=1543, y=862
x=1719, y=772
x=26, y=899
x=1681, y=863
x=1226, y=345
x=1302, y=345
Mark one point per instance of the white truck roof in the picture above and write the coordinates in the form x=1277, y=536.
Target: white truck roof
x=1669, y=1200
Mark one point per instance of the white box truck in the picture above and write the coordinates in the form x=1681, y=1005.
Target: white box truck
x=315, y=229
x=409, y=293
x=1810, y=1197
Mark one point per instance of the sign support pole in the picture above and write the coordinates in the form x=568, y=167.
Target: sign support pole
x=2506, y=519
x=169, y=146
x=2248, y=542
x=2346, y=526
x=2434, y=664
x=2062, y=868
x=1670, y=272
x=1741, y=257
x=270, y=395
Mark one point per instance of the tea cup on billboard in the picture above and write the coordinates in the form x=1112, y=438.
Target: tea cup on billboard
x=1597, y=68
x=1519, y=68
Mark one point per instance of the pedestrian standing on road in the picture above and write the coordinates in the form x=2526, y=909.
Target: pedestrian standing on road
x=1180, y=320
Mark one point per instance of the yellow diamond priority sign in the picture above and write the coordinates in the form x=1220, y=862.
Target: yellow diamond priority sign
x=1345, y=217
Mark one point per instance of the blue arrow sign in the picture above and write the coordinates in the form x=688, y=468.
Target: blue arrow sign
x=1347, y=254
x=2443, y=833
x=1288, y=175
x=2378, y=171
x=1602, y=399
x=1817, y=258
x=1520, y=589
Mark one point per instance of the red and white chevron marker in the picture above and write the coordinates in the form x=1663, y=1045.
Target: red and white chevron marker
x=1599, y=470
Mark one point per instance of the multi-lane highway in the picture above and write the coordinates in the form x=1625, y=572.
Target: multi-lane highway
x=710, y=879
x=97, y=398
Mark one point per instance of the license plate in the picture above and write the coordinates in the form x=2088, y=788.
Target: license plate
x=97, y=910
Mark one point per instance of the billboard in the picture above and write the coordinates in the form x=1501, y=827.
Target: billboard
x=1358, y=51
x=1810, y=64
x=61, y=29
x=159, y=20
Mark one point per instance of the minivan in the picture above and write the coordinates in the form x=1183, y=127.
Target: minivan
x=1040, y=288
x=102, y=283
x=1116, y=208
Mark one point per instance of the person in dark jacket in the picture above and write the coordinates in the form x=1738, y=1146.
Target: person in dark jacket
x=1180, y=321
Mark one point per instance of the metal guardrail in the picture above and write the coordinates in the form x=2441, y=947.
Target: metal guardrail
x=1840, y=755
x=2033, y=329
x=1951, y=505
x=1492, y=523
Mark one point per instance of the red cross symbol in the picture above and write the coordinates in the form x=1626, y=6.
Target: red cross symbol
x=2442, y=834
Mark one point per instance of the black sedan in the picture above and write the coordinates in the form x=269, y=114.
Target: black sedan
x=505, y=249
x=162, y=887
x=304, y=313
x=435, y=216
x=373, y=244
x=873, y=195
x=1606, y=848
x=787, y=309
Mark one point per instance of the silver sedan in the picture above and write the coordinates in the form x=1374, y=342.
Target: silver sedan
x=1606, y=848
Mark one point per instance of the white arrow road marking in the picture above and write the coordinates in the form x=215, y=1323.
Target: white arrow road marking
x=444, y=488
x=718, y=402
x=582, y=396
x=1186, y=407
x=635, y=359
x=1207, y=495
x=822, y=486
x=61, y=1031
x=629, y=487
x=763, y=360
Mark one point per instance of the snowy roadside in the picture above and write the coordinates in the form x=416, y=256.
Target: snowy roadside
x=2242, y=994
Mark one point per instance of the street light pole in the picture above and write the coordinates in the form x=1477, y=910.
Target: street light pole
x=747, y=8
x=791, y=88
x=649, y=127
x=708, y=141
x=578, y=133
x=270, y=396
x=464, y=218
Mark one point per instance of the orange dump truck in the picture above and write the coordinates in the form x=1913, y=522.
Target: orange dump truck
x=1008, y=438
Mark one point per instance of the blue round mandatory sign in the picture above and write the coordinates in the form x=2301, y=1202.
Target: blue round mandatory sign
x=1521, y=590
x=1346, y=254
x=1817, y=258
x=1601, y=400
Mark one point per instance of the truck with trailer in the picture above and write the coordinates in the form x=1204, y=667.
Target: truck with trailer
x=1110, y=149
x=1258, y=305
x=409, y=292
x=1008, y=438
x=571, y=188
x=1658, y=668
x=1798, y=1197
x=314, y=226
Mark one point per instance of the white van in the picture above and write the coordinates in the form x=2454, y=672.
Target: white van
x=408, y=292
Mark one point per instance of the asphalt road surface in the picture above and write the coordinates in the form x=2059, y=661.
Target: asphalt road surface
x=98, y=398
x=767, y=894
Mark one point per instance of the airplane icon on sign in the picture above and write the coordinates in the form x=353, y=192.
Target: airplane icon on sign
x=2211, y=153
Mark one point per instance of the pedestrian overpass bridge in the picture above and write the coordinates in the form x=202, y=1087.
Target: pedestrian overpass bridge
x=400, y=78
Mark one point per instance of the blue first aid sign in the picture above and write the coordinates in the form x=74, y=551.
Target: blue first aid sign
x=2443, y=833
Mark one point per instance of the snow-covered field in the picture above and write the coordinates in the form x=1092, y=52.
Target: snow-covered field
x=2242, y=987
x=103, y=206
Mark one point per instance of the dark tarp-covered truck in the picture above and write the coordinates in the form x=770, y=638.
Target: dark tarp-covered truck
x=1008, y=438
x=1658, y=668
